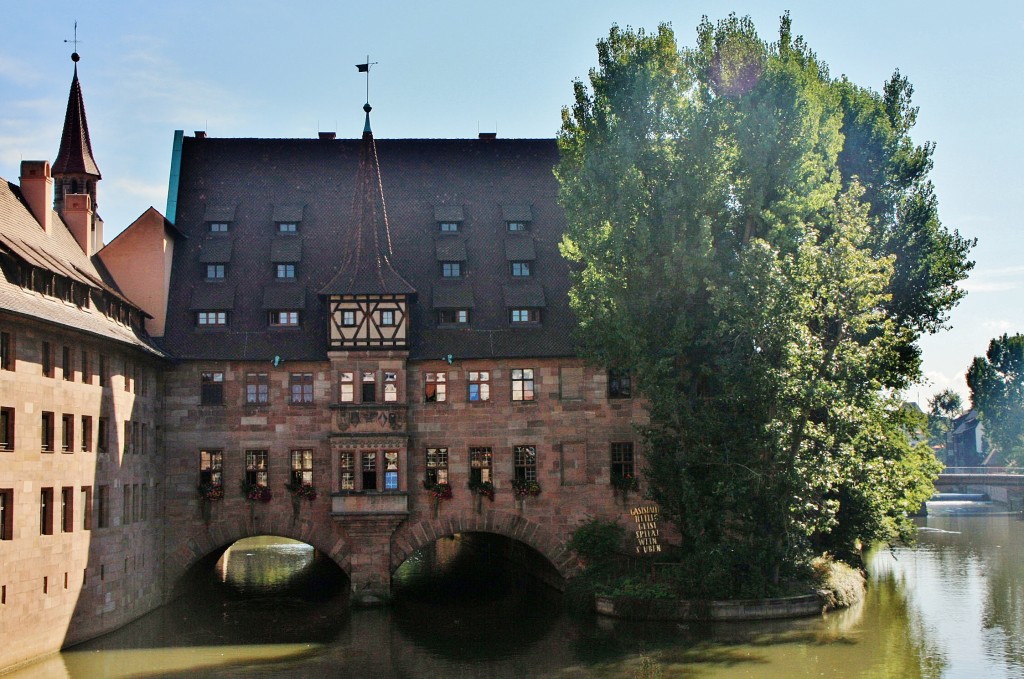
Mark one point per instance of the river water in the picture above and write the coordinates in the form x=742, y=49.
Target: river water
x=951, y=607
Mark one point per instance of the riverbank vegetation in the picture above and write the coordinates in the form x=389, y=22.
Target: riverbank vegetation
x=758, y=243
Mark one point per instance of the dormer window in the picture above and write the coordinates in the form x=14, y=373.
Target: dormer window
x=451, y=269
x=218, y=227
x=284, y=319
x=524, y=316
x=516, y=226
x=215, y=272
x=286, y=218
x=520, y=269
x=287, y=228
x=448, y=227
x=452, y=316
x=285, y=272
x=207, y=319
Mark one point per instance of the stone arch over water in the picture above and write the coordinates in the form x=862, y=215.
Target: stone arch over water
x=411, y=537
x=218, y=535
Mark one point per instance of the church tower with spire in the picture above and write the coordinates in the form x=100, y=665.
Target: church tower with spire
x=76, y=173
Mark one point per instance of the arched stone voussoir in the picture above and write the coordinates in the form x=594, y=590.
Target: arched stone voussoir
x=414, y=536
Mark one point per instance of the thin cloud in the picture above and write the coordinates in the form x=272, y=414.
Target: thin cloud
x=996, y=280
x=154, y=194
x=18, y=71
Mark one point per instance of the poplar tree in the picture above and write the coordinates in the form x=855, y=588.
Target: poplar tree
x=760, y=279
x=996, y=381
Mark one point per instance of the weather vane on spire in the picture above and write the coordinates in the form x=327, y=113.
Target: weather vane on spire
x=365, y=68
x=74, y=55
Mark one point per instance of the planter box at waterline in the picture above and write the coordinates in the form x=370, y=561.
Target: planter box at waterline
x=746, y=609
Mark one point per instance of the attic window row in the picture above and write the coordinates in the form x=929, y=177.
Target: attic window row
x=282, y=272
x=289, y=318
x=284, y=228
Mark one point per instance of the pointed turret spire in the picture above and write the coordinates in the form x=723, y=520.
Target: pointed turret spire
x=75, y=169
x=367, y=269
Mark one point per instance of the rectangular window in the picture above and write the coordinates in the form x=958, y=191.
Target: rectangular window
x=144, y=501
x=103, y=435
x=285, y=272
x=6, y=351
x=127, y=438
x=211, y=388
x=480, y=460
x=622, y=461
x=287, y=227
x=387, y=318
x=86, y=510
x=302, y=467
x=256, y=467
x=218, y=227
x=348, y=318
x=451, y=269
x=436, y=387
x=6, y=513
x=136, y=497
x=479, y=385
x=6, y=428
x=448, y=227
x=516, y=226
x=369, y=387
x=67, y=509
x=143, y=438
x=525, y=460
x=437, y=465
x=86, y=368
x=284, y=318
x=520, y=269
x=142, y=379
x=452, y=316
x=86, y=433
x=300, y=386
x=390, y=387
x=67, y=433
x=46, y=359
x=211, y=467
x=257, y=388
x=211, y=318
x=69, y=370
x=46, y=439
x=103, y=507
x=102, y=374
x=127, y=376
x=347, y=469
x=215, y=272
x=46, y=511
x=620, y=385
x=522, y=384
x=391, y=470
x=524, y=315
x=347, y=387
x=126, y=504
x=368, y=467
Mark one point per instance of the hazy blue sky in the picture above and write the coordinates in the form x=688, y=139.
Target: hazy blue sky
x=451, y=69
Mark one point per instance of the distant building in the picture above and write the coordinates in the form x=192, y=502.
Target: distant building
x=967, y=442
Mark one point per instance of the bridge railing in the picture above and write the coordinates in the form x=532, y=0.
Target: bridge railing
x=983, y=471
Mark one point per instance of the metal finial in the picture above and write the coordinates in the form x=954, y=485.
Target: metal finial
x=74, y=41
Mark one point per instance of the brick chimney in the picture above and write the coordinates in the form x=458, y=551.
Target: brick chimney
x=78, y=216
x=37, y=187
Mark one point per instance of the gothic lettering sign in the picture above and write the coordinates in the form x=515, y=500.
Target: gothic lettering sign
x=646, y=529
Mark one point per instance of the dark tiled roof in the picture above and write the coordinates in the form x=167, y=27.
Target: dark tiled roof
x=284, y=297
x=450, y=249
x=215, y=250
x=286, y=250
x=448, y=213
x=288, y=212
x=525, y=294
x=219, y=212
x=75, y=153
x=483, y=180
x=212, y=297
x=520, y=249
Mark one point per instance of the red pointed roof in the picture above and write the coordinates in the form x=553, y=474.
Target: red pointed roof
x=75, y=154
x=367, y=269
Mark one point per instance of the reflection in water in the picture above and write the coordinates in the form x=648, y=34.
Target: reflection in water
x=953, y=607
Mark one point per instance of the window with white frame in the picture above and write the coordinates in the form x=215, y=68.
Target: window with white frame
x=211, y=318
x=215, y=272
x=302, y=467
x=257, y=388
x=347, y=381
x=284, y=318
x=285, y=272
x=525, y=460
x=256, y=467
x=437, y=465
x=451, y=269
x=435, y=387
x=390, y=470
x=479, y=385
x=520, y=269
x=301, y=387
x=524, y=315
x=480, y=464
x=452, y=316
x=347, y=471
x=390, y=387
x=522, y=384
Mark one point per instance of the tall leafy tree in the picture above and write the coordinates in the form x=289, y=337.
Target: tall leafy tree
x=943, y=408
x=996, y=381
x=722, y=254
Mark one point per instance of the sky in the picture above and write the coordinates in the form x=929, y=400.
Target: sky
x=453, y=69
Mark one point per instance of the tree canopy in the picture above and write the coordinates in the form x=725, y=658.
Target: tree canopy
x=759, y=244
x=996, y=381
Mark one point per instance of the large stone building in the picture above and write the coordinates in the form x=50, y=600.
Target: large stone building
x=373, y=323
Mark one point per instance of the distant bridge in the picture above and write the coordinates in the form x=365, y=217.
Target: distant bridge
x=1002, y=484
